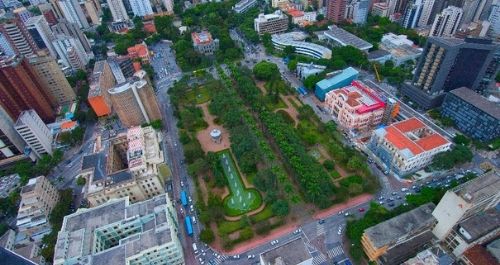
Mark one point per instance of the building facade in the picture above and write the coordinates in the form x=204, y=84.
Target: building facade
x=129, y=167
x=446, y=24
x=449, y=63
x=34, y=132
x=16, y=33
x=276, y=22
x=335, y=80
x=335, y=10
x=101, y=81
x=141, y=8
x=426, y=13
x=40, y=31
x=64, y=27
x=11, y=144
x=406, y=146
x=134, y=101
x=244, y=5
x=21, y=89
x=204, y=43
x=119, y=232
x=73, y=13
x=118, y=10
x=71, y=52
x=412, y=14
x=38, y=199
x=297, y=40
x=53, y=79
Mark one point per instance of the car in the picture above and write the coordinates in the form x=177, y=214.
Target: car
x=391, y=204
x=404, y=190
x=190, y=199
x=381, y=202
x=381, y=198
x=182, y=183
x=191, y=207
x=201, y=261
x=399, y=197
x=321, y=221
x=236, y=256
x=361, y=210
x=340, y=231
x=346, y=214
x=297, y=231
x=251, y=256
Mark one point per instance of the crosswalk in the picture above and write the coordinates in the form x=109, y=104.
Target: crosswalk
x=319, y=259
x=220, y=260
x=320, y=229
x=334, y=252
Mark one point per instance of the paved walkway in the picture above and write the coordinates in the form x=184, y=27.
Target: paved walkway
x=339, y=207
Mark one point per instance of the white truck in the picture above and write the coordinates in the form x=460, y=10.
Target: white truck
x=195, y=249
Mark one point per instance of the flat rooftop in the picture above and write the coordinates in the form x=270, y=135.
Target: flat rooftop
x=481, y=187
x=480, y=224
x=293, y=252
x=96, y=162
x=345, y=38
x=95, y=77
x=337, y=77
x=478, y=101
x=390, y=231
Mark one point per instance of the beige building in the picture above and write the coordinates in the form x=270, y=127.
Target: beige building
x=101, y=80
x=53, y=78
x=135, y=101
x=273, y=23
x=118, y=232
x=38, y=198
x=129, y=166
x=93, y=11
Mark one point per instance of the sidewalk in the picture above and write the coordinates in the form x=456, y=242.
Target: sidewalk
x=339, y=207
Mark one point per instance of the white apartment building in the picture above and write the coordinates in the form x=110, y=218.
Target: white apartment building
x=119, y=232
x=118, y=10
x=446, y=23
x=169, y=6
x=141, y=8
x=34, y=132
x=73, y=12
x=71, y=51
x=426, y=13
x=40, y=25
x=494, y=17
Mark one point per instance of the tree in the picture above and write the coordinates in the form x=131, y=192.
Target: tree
x=320, y=17
x=80, y=181
x=461, y=140
x=280, y=208
x=311, y=81
x=266, y=71
x=156, y=124
x=289, y=50
x=207, y=236
x=329, y=164
x=292, y=65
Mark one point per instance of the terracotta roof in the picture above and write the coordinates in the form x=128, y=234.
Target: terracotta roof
x=400, y=141
x=409, y=125
x=295, y=13
x=432, y=141
x=68, y=125
x=478, y=255
x=139, y=50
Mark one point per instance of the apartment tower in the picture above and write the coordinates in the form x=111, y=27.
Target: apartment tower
x=447, y=23
x=335, y=10
x=34, y=132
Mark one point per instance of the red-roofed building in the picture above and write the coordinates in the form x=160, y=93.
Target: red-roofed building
x=355, y=106
x=478, y=255
x=149, y=26
x=204, y=43
x=302, y=18
x=407, y=146
x=139, y=51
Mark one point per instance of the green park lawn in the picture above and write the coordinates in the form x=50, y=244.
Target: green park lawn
x=241, y=199
x=199, y=95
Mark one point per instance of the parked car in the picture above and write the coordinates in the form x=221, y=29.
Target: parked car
x=361, y=210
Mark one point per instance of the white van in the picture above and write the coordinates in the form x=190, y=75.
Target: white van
x=195, y=248
x=194, y=219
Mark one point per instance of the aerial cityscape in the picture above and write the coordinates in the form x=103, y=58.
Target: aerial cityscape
x=250, y=132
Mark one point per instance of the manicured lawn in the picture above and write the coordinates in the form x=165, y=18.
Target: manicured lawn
x=228, y=227
x=241, y=200
x=199, y=95
x=273, y=106
x=262, y=215
x=164, y=171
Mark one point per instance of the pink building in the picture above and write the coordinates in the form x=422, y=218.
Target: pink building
x=355, y=106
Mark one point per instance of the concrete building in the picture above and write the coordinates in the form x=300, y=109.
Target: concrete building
x=169, y=6
x=472, y=10
x=71, y=52
x=426, y=13
x=16, y=33
x=119, y=232
x=434, y=255
x=122, y=68
x=204, y=43
x=397, y=239
x=128, y=166
x=407, y=146
x=360, y=11
x=494, y=17
x=141, y=8
x=64, y=27
x=472, y=114
x=134, y=101
x=335, y=80
x=355, y=106
x=273, y=23
x=93, y=11
x=304, y=70
x=447, y=23
x=53, y=79
x=38, y=198
x=11, y=144
x=335, y=10
x=302, y=18
x=278, y=3
x=101, y=81
x=466, y=214
x=412, y=14
x=9, y=184
x=380, y=9
x=73, y=13
x=244, y=5
x=34, y=132
x=6, y=48
x=297, y=40
x=22, y=13
x=449, y=63
x=47, y=10
x=139, y=51
x=41, y=33
x=293, y=252
x=118, y=10
x=338, y=37
x=379, y=56
x=401, y=48
x=21, y=89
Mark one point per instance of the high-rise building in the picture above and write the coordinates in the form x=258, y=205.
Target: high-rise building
x=53, y=79
x=100, y=81
x=360, y=12
x=14, y=30
x=169, y=6
x=494, y=17
x=38, y=199
x=22, y=13
x=119, y=232
x=73, y=13
x=413, y=14
x=47, y=11
x=118, y=10
x=141, y=8
x=11, y=144
x=5, y=47
x=21, y=89
x=56, y=9
x=276, y=22
x=92, y=10
x=449, y=63
x=335, y=10
x=34, y=132
x=135, y=101
x=70, y=29
x=426, y=13
x=446, y=23
x=70, y=51
x=472, y=10
x=42, y=35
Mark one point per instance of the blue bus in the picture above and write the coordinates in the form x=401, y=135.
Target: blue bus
x=189, y=226
x=184, y=199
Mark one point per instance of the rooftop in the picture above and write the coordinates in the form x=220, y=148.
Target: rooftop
x=95, y=77
x=30, y=186
x=479, y=224
x=140, y=50
x=337, y=77
x=297, y=39
x=97, y=163
x=8, y=257
x=346, y=38
x=390, y=231
x=478, y=101
x=203, y=37
x=378, y=54
x=293, y=252
x=7, y=183
x=361, y=97
x=267, y=17
x=478, y=255
x=479, y=188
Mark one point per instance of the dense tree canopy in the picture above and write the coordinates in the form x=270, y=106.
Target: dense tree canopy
x=266, y=71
